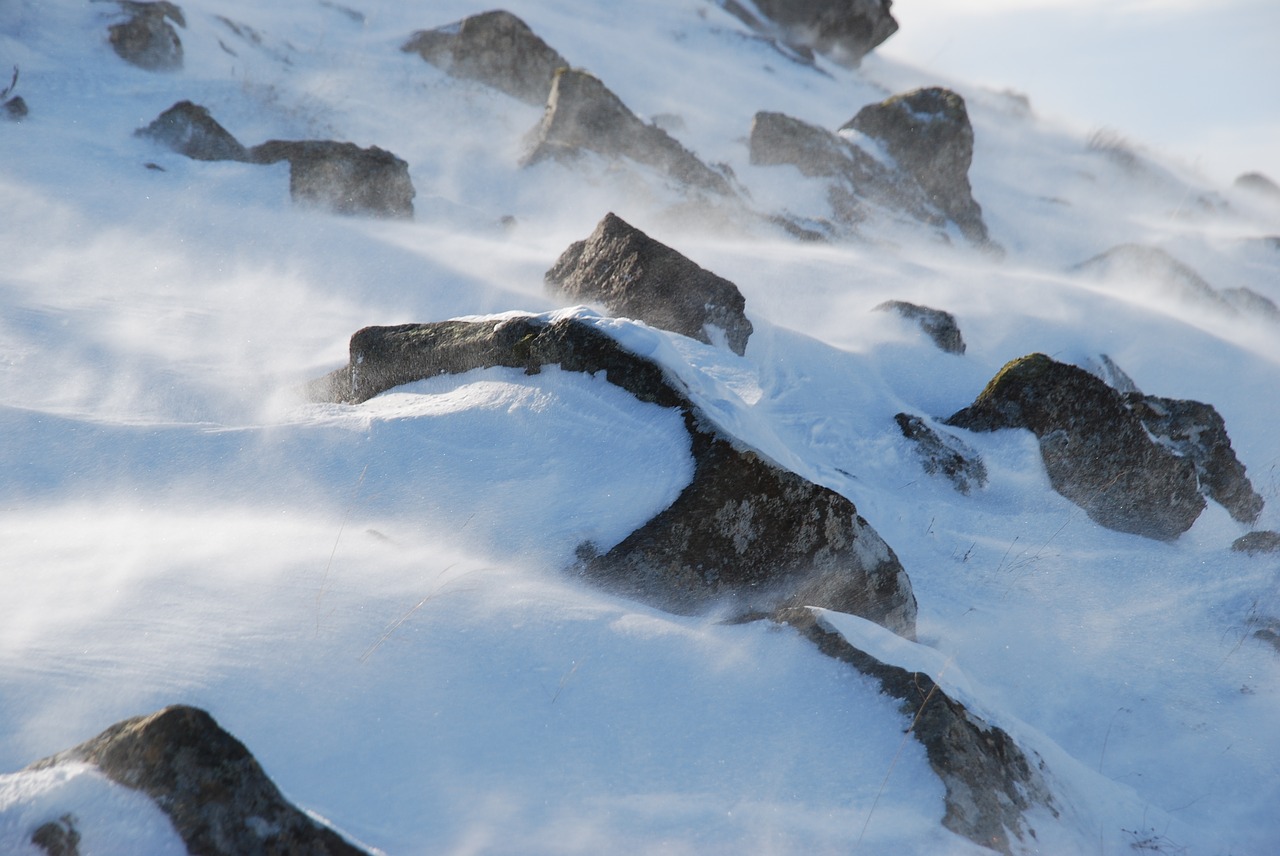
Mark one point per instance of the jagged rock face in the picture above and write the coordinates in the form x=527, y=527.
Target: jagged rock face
x=635, y=276
x=940, y=326
x=990, y=781
x=582, y=114
x=147, y=40
x=1151, y=264
x=189, y=130
x=342, y=177
x=745, y=533
x=944, y=453
x=844, y=30
x=1264, y=541
x=220, y=801
x=495, y=48
x=1197, y=432
x=1095, y=449
x=927, y=132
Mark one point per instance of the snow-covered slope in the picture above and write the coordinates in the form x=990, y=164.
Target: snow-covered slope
x=372, y=597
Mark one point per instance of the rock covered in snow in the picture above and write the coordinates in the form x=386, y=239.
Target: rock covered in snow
x=1257, y=182
x=495, y=48
x=147, y=39
x=939, y=324
x=944, y=453
x=342, y=177
x=190, y=130
x=635, y=276
x=745, y=533
x=844, y=30
x=1095, y=448
x=214, y=791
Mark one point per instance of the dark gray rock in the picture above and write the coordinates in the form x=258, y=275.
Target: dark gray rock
x=990, y=781
x=147, y=39
x=745, y=533
x=844, y=30
x=219, y=799
x=58, y=837
x=1095, y=448
x=1256, y=182
x=927, y=131
x=342, y=177
x=495, y=48
x=635, y=276
x=944, y=454
x=1197, y=432
x=1263, y=541
x=190, y=130
x=582, y=114
x=1128, y=262
x=15, y=108
x=940, y=326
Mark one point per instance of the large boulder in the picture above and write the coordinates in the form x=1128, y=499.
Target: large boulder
x=583, y=115
x=190, y=130
x=938, y=324
x=844, y=30
x=147, y=39
x=927, y=131
x=342, y=177
x=214, y=791
x=746, y=534
x=635, y=276
x=1096, y=450
x=495, y=48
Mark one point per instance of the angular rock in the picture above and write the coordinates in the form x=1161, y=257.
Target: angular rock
x=745, y=533
x=844, y=30
x=635, y=276
x=939, y=325
x=147, y=40
x=1112, y=375
x=1151, y=264
x=990, y=781
x=1263, y=541
x=927, y=131
x=945, y=454
x=189, y=130
x=582, y=114
x=1095, y=449
x=342, y=177
x=219, y=799
x=495, y=48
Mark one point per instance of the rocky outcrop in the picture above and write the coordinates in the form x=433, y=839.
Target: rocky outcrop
x=582, y=114
x=1096, y=450
x=844, y=30
x=1251, y=304
x=939, y=325
x=342, y=177
x=147, y=39
x=990, y=781
x=944, y=454
x=635, y=276
x=190, y=130
x=495, y=48
x=1259, y=183
x=745, y=534
x=1262, y=541
x=1129, y=262
x=927, y=132
x=214, y=791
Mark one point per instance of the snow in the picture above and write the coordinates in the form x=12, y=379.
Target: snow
x=373, y=597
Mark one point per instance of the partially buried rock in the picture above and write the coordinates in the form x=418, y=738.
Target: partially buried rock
x=583, y=115
x=844, y=30
x=940, y=325
x=1130, y=264
x=635, y=276
x=342, y=177
x=1256, y=182
x=1263, y=541
x=147, y=39
x=495, y=48
x=58, y=837
x=1095, y=449
x=214, y=791
x=190, y=130
x=745, y=534
x=944, y=454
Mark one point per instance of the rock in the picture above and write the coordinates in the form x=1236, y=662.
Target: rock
x=1256, y=182
x=990, y=781
x=1130, y=262
x=219, y=799
x=495, y=48
x=15, y=108
x=844, y=30
x=582, y=114
x=927, y=132
x=58, y=837
x=1198, y=433
x=745, y=532
x=944, y=453
x=1251, y=304
x=189, y=130
x=939, y=325
x=343, y=177
x=1095, y=449
x=1264, y=541
x=147, y=40
x=1106, y=370
x=635, y=276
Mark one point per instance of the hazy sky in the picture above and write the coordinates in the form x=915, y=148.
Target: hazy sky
x=1198, y=80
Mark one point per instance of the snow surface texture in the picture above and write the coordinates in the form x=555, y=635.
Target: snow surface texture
x=371, y=597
